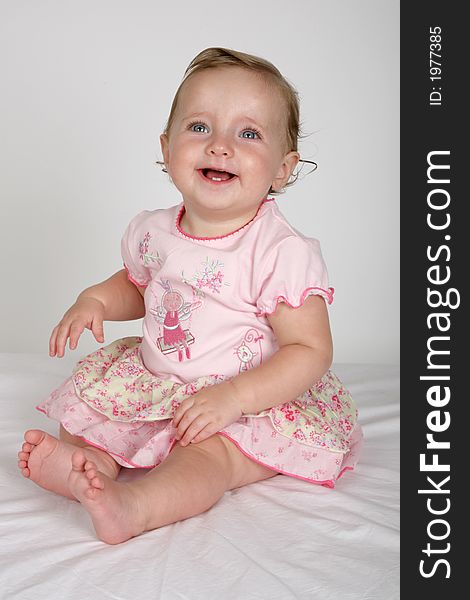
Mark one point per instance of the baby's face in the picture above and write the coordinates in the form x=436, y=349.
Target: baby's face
x=227, y=119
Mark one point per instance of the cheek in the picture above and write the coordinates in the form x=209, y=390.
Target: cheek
x=181, y=152
x=252, y=155
x=260, y=165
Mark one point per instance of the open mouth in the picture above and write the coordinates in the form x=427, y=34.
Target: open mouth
x=216, y=176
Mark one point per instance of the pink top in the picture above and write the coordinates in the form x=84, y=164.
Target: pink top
x=207, y=298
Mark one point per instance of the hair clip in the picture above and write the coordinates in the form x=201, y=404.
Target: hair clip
x=310, y=162
x=159, y=162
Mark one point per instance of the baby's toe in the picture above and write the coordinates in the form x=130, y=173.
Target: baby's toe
x=23, y=455
x=90, y=465
x=34, y=436
x=91, y=493
x=26, y=472
x=90, y=473
x=27, y=447
x=78, y=460
x=94, y=478
x=97, y=483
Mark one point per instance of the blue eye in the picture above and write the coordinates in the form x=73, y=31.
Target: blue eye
x=252, y=131
x=196, y=124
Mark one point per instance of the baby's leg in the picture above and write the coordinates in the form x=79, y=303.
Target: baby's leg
x=47, y=460
x=191, y=480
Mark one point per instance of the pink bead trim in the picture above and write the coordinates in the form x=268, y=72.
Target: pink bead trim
x=329, y=297
x=129, y=276
x=219, y=237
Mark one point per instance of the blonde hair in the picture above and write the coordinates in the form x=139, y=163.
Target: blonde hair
x=211, y=58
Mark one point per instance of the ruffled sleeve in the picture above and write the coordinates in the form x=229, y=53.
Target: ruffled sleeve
x=136, y=250
x=293, y=270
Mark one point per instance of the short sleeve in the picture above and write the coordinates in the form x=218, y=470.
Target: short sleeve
x=135, y=250
x=292, y=271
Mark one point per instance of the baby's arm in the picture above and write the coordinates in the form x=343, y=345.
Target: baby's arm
x=116, y=299
x=304, y=356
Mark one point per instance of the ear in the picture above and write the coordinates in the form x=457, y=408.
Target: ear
x=165, y=149
x=286, y=169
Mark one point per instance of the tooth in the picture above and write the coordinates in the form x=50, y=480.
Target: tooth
x=216, y=178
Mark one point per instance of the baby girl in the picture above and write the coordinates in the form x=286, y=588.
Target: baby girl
x=230, y=382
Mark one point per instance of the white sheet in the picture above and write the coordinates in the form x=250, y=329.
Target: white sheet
x=279, y=539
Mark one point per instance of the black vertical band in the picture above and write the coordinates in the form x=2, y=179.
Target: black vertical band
x=434, y=395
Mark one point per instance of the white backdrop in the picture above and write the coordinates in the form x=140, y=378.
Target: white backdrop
x=86, y=89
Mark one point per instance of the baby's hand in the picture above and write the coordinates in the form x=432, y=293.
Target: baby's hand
x=86, y=312
x=207, y=412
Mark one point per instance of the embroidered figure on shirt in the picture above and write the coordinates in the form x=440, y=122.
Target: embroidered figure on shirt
x=170, y=312
x=209, y=277
x=246, y=350
x=145, y=256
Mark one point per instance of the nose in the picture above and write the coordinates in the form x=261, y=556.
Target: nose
x=218, y=151
x=219, y=146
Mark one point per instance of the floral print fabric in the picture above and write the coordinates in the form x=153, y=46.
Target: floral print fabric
x=114, y=381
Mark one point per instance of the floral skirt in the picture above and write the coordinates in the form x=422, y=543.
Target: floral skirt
x=114, y=403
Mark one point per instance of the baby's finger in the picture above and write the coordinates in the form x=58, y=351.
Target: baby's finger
x=62, y=335
x=186, y=420
x=97, y=330
x=205, y=433
x=75, y=332
x=52, y=341
x=194, y=429
x=181, y=410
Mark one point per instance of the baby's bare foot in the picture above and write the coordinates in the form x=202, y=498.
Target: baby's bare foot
x=115, y=508
x=46, y=461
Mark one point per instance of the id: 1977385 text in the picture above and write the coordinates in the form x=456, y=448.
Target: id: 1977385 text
x=435, y=66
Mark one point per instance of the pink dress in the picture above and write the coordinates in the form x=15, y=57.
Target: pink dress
x=173, y=333
x=206, y=303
